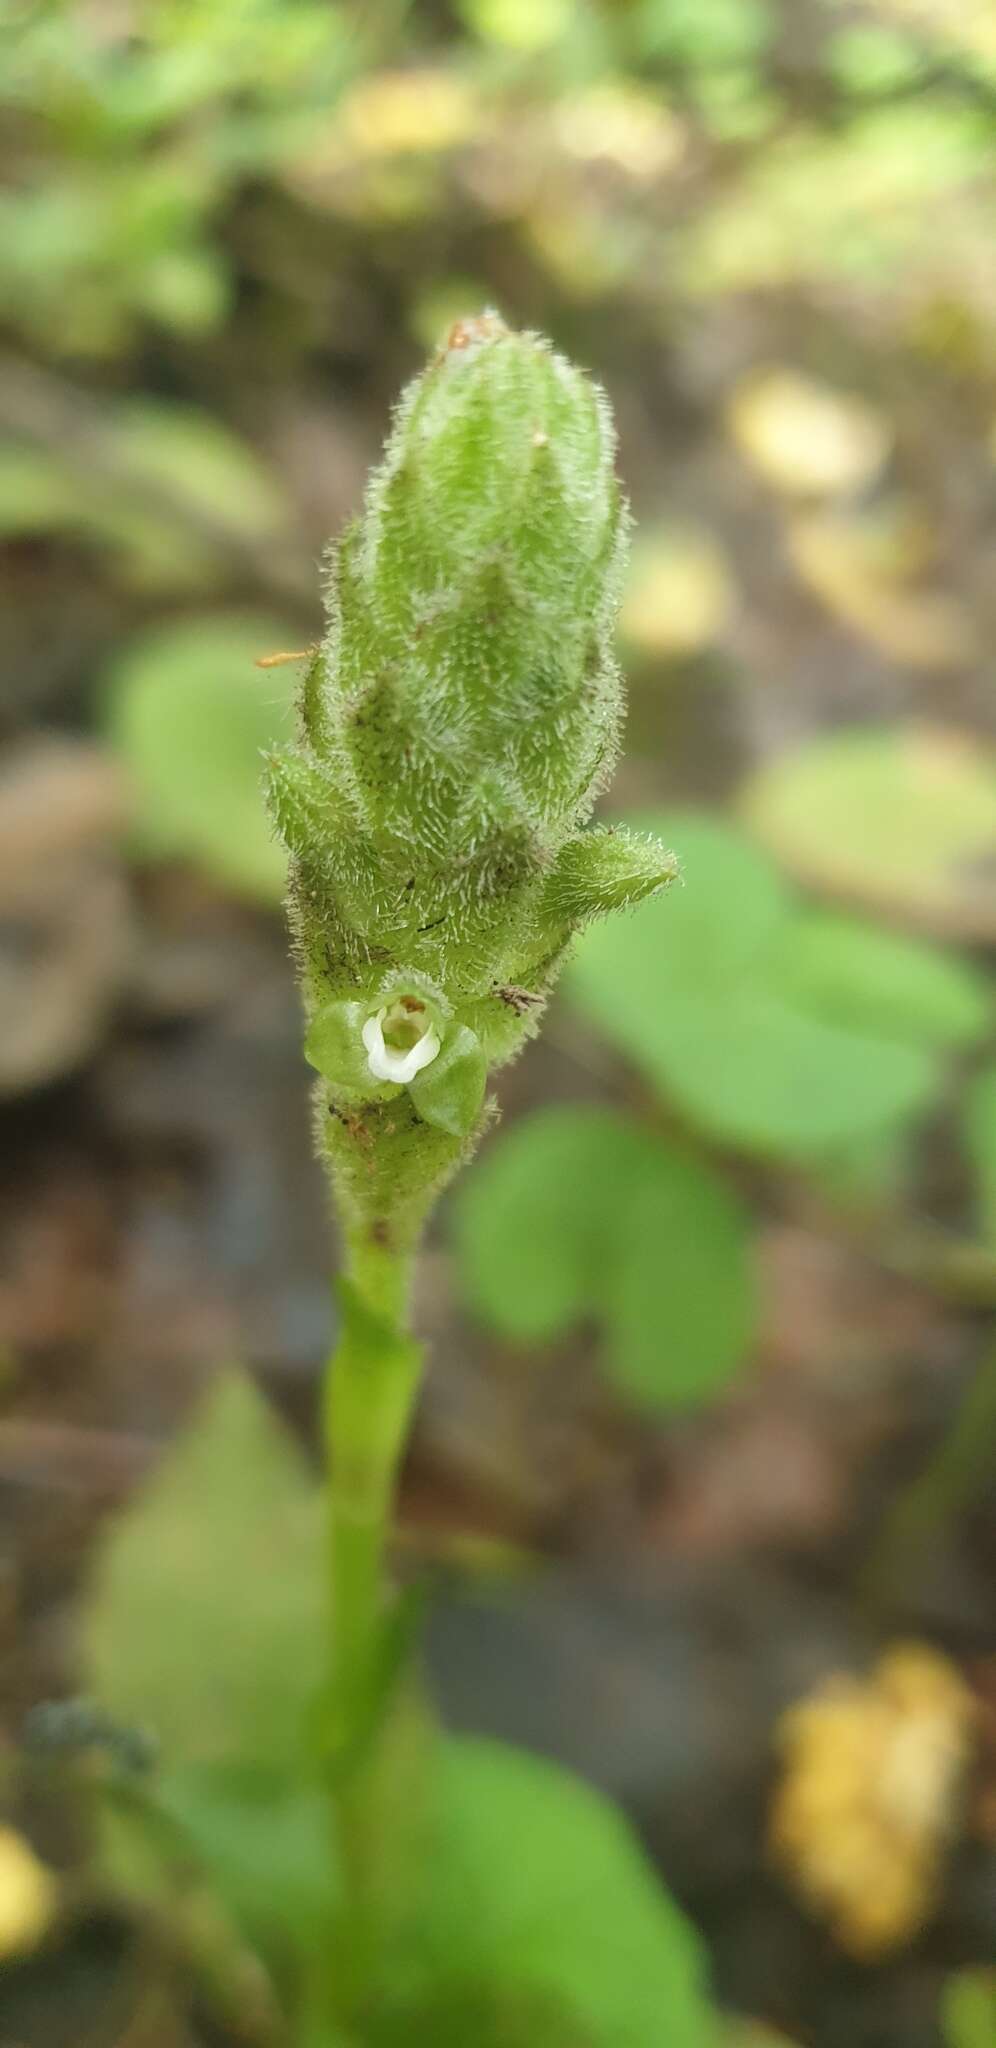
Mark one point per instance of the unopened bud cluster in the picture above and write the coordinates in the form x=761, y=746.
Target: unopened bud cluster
x=457, y=723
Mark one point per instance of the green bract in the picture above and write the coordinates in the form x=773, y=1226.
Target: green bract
x=456, y=725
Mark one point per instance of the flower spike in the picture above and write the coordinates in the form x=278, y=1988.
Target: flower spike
x=456, y=725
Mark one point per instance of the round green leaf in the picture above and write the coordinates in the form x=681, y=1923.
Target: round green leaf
x=191, y=715
x=761, y=1075
x=865, y=979
x=534, y=1883
x=727, y=908
x=698, y=942
x=204, y=1623
x=688, y=987
x=678, y=1294
x=530, y=1219
x=904, y=818
x=578, y=1212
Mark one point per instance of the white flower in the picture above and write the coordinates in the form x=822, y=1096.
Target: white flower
x=401, y=1062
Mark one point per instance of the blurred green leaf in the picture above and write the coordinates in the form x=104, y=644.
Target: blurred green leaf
x=899, y=817
x=191, y=715
x=204, y=1622
x=577, y=1212
x=689, y=988
x=144, y=1854
x=773, y=1079
x=233, y=1852
x=732, y=906
x=205, y=1625
x=518, y=24
x=968, y=2009
x=869, y=1173
x=215, y=495
x=489, y=2015
x=36, y=494
x=140, y=127
x=181, y=493
x=859, y=203
x=532, y=1213
x=874, y=57
x=265, y=1839
x=203, y=461
x=678, y=1297
x=703, y=33
x=573, y=1915
x=185, y=288
x=866, y=979
x=979, y=1122
x=679, y=595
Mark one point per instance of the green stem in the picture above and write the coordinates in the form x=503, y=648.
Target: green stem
x=369, y=1393
x=370, y=1389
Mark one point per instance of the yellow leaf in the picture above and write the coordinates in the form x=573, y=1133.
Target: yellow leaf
x=620, y=125
x=868, y=1794
x=520, y=24
x=805, y=438
x=28, y=1896
x=968, y=25
x=423, y=109
x=842, y=562
x=899, y=818
x=679, y=596
x=387, y=115
x=575, y=241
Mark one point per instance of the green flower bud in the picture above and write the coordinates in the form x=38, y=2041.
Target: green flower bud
x=457, y=724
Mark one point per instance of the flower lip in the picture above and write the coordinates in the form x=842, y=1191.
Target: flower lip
x=400, y=1064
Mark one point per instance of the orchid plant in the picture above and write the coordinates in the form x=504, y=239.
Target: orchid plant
x=455, y=728
x=365, y=1878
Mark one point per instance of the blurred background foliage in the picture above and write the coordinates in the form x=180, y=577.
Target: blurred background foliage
x=716, y=1300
